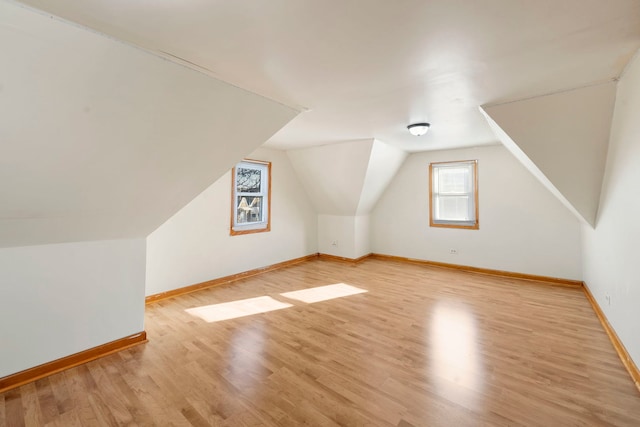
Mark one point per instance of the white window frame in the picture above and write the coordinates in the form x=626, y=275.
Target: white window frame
x=473, y=221
x=265, y=186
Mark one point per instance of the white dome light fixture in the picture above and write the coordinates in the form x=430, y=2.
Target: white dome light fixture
x=418, y=129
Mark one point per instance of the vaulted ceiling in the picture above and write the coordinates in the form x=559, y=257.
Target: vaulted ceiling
x=99, y=140
x=367, y=68
x=114, y=114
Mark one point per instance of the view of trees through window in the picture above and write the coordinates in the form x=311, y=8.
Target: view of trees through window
x=250, y=197
x=248, y=180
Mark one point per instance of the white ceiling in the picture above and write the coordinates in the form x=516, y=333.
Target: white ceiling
x=99, y=140
x=366, y=69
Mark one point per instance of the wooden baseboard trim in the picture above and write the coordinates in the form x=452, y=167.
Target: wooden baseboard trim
x=227, y=279
x=343, y=259
x=613, y=337
x=551, y=280
x=50, y=368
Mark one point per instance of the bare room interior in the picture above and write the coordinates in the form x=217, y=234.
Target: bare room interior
x=331, y=213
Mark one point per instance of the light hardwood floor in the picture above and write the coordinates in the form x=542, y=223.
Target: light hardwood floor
x=423, y=346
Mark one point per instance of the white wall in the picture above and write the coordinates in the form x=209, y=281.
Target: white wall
x=362, y=236
x=611, y=252
x=194, y=245
x=60, y=299
x=350, y=233
x=338, y=229
x=523, y=227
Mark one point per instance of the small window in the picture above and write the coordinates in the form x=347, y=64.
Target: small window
x=453, y=188
x=251, y=197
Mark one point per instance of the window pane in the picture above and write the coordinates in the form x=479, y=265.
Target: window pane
x=452, y=208
x=248, y=180
x=249, y=209
x=453, y=180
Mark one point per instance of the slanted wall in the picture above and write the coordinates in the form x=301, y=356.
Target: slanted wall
x=562, y=139
x=344, y=182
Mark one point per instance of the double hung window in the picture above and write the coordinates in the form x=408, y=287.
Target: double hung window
x=454, y=194
x=250, y=199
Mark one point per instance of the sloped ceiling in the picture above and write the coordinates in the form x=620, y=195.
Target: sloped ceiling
x=562, y=139
x=347, y=178
x=365, y=69
x=100, y=140
x=384, y=161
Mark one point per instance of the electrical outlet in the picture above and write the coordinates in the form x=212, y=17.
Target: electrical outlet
x=453, y=251
x=608, y=298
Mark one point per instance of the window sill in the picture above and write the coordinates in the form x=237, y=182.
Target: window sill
x=241, y=231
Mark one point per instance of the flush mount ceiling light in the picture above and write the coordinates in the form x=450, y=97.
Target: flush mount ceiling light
x=418, y=129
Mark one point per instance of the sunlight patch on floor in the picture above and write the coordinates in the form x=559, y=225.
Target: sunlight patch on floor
x=323, y=293
x=264, y=304
x=235, y=309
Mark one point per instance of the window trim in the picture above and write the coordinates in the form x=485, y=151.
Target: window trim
x=235, y=230
x=474, y=226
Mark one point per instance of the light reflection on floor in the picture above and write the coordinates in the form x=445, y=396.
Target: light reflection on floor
x=245, y=355
x=456, y=363
x=264, y=304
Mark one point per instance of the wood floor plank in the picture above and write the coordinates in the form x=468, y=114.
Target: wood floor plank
x=79, y=390
x=60, y=393
x=3, y=413
x=31, y=408
x=14, y=411
x=420, y=345
x=46, y=399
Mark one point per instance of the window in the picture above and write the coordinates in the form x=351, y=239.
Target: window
x=453, y=190
x=251, y=197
